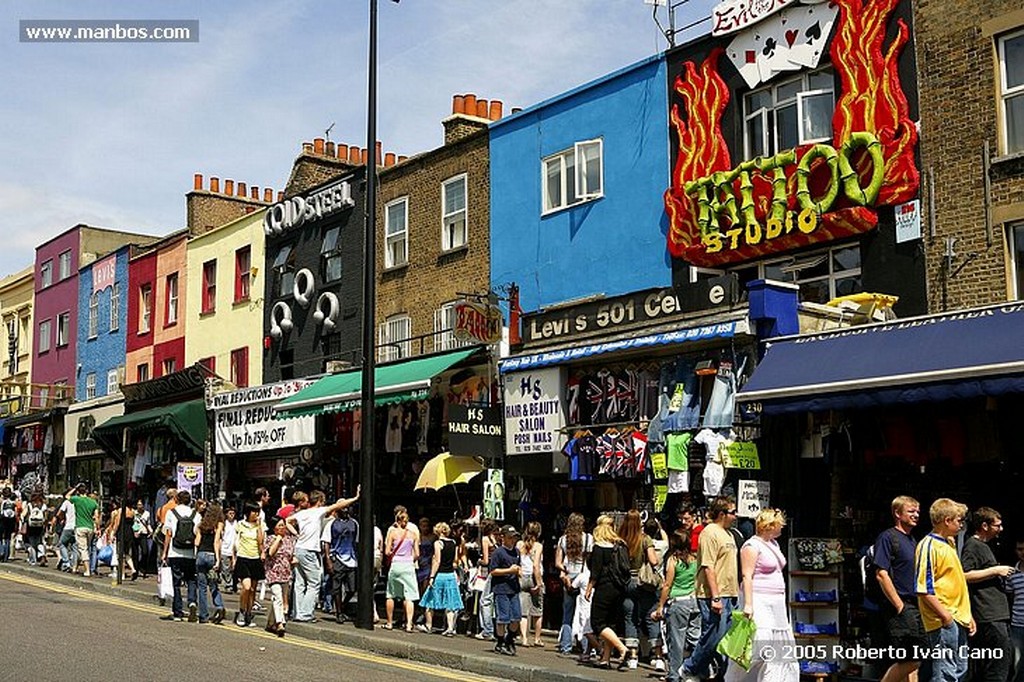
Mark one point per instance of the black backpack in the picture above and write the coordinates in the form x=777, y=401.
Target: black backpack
x=618, y=567
x=872, y=589
x=184, y=533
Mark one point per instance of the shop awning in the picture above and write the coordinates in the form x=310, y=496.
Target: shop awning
x=561, y=356
x=954, y=356
x=396, y=382
x=186, y=421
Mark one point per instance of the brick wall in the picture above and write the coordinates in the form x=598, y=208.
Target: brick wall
x=959, y=103
x=433, y=277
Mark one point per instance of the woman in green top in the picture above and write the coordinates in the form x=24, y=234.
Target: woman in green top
x=678, y=603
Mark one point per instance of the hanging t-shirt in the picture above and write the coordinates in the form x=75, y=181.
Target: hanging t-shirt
x=393, y=435
x=677, y=446
x=714, y=471
x=423, y=410
x=678, y=481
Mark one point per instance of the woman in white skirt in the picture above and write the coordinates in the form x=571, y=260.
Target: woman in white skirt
x=764, y=600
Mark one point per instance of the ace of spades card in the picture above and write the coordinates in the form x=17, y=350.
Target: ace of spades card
x=809, y=26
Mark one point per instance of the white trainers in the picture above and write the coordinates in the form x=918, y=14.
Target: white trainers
x=631, y=663
x=659, y=665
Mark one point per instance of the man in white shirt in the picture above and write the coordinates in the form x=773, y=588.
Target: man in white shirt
x=68, y=548
x=309, y=569
x=180, y=555
x=227, y=550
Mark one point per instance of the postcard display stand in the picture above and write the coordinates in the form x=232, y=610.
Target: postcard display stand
x=814, y=579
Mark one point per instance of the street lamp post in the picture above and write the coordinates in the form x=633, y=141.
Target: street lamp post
x=367, y=579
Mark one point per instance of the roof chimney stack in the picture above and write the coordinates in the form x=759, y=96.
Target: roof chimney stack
x=197, y=182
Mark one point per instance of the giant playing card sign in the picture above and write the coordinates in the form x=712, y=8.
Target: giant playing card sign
x=723, y=213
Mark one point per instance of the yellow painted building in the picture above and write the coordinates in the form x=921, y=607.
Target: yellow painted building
x=225, y=300
x=16, y=335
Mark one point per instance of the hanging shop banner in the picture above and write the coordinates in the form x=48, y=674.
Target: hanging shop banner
x=908, y=221
x=190, y=477
x=474, y=431
x=244, y=420
x=477, y=322
x=535, y=411
x=494, y=495
x=659, y=464
x=739, y=456
x=660, y=495
x=753, y=497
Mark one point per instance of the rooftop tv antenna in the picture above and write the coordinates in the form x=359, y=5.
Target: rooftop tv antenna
x=673, y=30
x=327, y=133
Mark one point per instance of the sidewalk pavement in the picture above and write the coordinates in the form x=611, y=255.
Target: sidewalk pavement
x=531, y=664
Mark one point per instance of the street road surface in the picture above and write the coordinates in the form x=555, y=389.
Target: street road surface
x=51, y=632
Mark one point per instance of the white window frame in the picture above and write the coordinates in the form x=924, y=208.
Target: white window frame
x=398, y=236
x=331, y=255
x=115, y=307
x=172, y=298
x=770, y=134
x=90, y=385
x=450, y=220
x=1006, y=93
x=94, y=314
x=113, y=381
x=63, y=329
x=145, y=308
x=168, y=366
x=45, y=332
x=394, y=338
x=807, y=259
x=581, y=191
x=12, y=335
x=46, y=274
x=64, y=265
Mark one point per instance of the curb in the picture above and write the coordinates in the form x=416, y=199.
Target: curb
x=361, y=640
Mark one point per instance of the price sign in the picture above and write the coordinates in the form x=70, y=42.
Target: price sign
x=739, y=456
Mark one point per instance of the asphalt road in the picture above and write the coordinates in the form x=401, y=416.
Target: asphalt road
x=50, y=632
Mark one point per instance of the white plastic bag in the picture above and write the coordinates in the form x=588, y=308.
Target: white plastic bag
x=166, y=583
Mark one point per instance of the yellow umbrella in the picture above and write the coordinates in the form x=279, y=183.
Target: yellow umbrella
x=447, y=469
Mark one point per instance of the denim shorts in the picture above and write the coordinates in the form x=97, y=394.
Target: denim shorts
x=507, y=608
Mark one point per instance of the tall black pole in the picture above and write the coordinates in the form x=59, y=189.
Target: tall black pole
x=367, y=578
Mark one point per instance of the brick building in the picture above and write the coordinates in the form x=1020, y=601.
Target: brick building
x=971, y=83
x=433, y=234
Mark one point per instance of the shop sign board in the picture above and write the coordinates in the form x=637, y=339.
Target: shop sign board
x=292, y=213
x=639, y=308
x=477, y=322
x=494, y=494
x=190, y=477
x=535, y=411
x=739, y=456
x=244, y=419
x=908, y=221
x=753, y=497
x=104, y=273
x=474, y=431
x=185, y=384
x=732, y=15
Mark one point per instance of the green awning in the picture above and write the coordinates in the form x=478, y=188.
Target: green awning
x=394, y=383
x=186, y=421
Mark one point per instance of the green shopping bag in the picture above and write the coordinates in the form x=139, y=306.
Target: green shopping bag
x=738, y=642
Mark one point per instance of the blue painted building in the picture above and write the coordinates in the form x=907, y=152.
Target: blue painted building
x=103, y=322
x=576, y=190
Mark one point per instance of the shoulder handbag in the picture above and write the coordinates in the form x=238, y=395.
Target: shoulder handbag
x=648, y=577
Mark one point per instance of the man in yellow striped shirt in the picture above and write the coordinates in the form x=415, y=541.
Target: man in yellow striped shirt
x=942, y=594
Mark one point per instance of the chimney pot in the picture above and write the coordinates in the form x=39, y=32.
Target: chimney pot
x=280, y=196
x=241, y=189
x=229, y=187
x=481, y=108
x=329, y=148
x=389, y=159
x=343, y=151
x=470, y=104
x=215, y=184
x=380, y=152
x=353, y=155
x=254, y=193
x=307, y=147
x=268, y=195
x=197, y=181
x=402, y=159
x=364, y=156
x=458, y=104
x=495, y=109
x=318, y=145
x=516, y=110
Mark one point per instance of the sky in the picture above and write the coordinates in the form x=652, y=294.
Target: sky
x=111, y=134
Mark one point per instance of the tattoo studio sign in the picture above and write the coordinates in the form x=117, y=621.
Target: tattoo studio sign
x=534, y=411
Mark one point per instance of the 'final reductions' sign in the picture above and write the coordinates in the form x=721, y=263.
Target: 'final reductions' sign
x=245, y=421
x=534, y=411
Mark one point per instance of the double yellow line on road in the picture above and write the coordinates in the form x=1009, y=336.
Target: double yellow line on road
x=289, y=641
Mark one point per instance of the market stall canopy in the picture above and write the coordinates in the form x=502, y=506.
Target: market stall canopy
x=447, y=469
x=394, y=383
x=186, y=421
x=952, y=356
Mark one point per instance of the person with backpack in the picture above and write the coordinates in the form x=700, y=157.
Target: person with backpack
x=8, y=523
x=717, y=588
x=34, y=518
x=889, y=582
x=609, y=576
x=180, y=529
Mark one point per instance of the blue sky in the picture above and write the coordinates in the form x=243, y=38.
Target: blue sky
x=110, y=134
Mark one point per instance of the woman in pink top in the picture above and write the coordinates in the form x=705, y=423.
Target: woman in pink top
x=764, y=600
x=402, y=547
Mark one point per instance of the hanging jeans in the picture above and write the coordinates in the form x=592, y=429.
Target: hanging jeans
x=679, y=404
x=722, y=406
